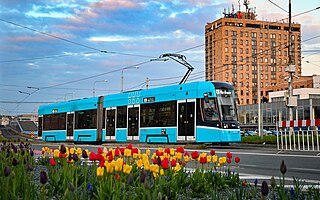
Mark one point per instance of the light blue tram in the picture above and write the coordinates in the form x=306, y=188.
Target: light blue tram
x=191, y=112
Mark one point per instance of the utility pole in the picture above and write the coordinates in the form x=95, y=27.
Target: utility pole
x=291, y=100
x=259, y=103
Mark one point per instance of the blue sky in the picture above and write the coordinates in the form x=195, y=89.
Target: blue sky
x=131, y=32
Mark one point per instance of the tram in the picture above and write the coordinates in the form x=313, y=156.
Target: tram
x=201, y=112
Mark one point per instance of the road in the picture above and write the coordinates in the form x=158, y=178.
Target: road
x=256, y=162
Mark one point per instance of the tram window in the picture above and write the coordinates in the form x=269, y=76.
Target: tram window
x=54, y=122
x=158, y=114
x=167, y=113
x=122, y=117
x=86, y=119
x=148, y=115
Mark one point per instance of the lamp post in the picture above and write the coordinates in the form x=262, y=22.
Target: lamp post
x=94, y=87
x=122, y=77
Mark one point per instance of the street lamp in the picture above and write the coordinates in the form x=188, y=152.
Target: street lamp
x=136, y=67
x=94, y=87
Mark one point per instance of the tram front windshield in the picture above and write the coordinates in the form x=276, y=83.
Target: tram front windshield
x=226, y=103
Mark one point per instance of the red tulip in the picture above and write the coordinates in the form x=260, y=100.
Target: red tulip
x=158, y=153
x=154, y=161
x=229, y=155
x=122, y=150
x=228, y=160
x=110, y=157
x=129, y=146
x=167, y=150
x=117, y=152
x=186, y=153
x=180, y=150
x=134, y=151
x=237, y=159
x=212, y=152
x=173, y=163
x=62, y=155
x=203, y=159
x=52, y=162
x=194, y=155
x=100, y=151
x=101, y=163
x=92, y=156
x=165, y=163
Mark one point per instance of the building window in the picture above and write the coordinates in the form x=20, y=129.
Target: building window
x=234, y=50
x=241, y=33
x=261, y=35
x=254, y=43
x=261, y=51
x=234, y=58
x=266, y=35
x=261, y=43
x=265, y=60
x=285, y=36
x=247, y=34
x=234, y=33
x=226, y=32
x=234, y=41
x=241, y=42
x=266, y=44
x=241, y=51
x=247, y=51
x=227, y=75
x=247, y=42
x=253, y=34
x=226, y=41
x=227, y=58
x=226, y=49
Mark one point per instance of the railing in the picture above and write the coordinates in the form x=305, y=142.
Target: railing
x=298, y=135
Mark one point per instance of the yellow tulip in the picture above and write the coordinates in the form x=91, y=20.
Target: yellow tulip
x=148, y=152
x=72, y=150
x=79, y=151
x=177, y=167
x=154, y=168
x=160, y=149
x=100, y=171
x=56, y=153
x=127, y=152
x=109, y=166
x=178, y=155
x=146, y=165
x=139, y=163
x=154, y=155
x=144, y=157
x=186, y=158
x=127, y=168
x=209, y=159
x=134, y=156
x=161, y=172
x=118, y=164
x=214, y=158
x=171, y=151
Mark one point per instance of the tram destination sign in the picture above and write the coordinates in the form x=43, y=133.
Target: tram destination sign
x=149, y=99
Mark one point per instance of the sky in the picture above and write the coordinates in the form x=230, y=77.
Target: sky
x=58, y=50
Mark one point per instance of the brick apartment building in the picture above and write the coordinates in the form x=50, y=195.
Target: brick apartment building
x=238, y=44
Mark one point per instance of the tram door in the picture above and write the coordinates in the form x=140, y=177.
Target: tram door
x=111, y=122
x=186, y=121
x=70, y=120
x=40, y=127
x=133, y=123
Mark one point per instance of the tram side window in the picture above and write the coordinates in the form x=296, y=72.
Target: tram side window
x=54, y=122
x=158, y=114
x=86, y=119
x=122, y=117
x=168, y=113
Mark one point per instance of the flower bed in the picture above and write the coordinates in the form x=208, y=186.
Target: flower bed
x=127, y=173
